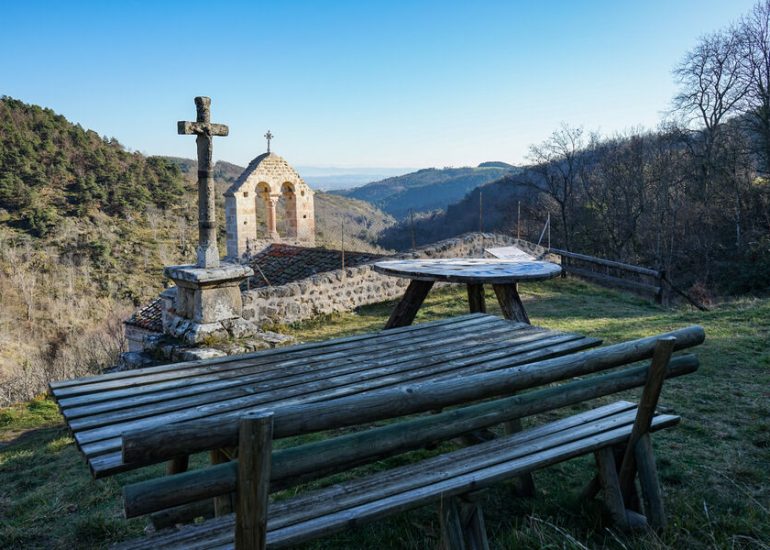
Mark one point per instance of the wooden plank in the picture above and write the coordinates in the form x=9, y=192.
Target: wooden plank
x=608, y=263
x=378, y=371
x=255, y=443
x=279, y=367
x=403, y=399
x=270, y=357
x=634, y=285
x=406, y=309
x=455, y=364
x=510, y=303
x=476, y=301
x=297, y=371
x=360, y=338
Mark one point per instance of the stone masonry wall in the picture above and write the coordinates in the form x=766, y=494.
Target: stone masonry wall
x=335, y=291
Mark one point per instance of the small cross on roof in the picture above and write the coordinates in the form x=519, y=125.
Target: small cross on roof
x=268, y=136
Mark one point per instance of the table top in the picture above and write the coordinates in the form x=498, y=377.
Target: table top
x=99, y=409
x=470, y=270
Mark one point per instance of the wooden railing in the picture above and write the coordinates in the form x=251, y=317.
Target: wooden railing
x=633, y=277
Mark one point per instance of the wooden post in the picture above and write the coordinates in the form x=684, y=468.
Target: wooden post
x=648, y=480
x=462, y=524
x=510, y=303
x=526, y=486
x=177, y=465
x=255, y=444
x=406, y=310
x=650, y=394
x=222, y=504
x=476, y=302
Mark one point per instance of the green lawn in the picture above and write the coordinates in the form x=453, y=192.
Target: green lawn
x=714, y=466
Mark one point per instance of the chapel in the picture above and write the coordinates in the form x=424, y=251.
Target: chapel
x=269, y=189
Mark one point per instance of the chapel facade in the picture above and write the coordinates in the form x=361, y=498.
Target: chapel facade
x=272, y=190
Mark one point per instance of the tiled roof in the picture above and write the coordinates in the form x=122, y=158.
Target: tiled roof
x=279, y=264
x=148, y=317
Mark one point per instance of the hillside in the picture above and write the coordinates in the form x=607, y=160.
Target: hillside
x=86, y=228
x=499, y=202
x=426, y=190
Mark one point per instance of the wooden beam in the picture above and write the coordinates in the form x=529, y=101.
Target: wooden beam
x=476, y=302
x=159, y=443
x=406, y=310
x=510, y=303
x=608, y=263
x=255, y=443
x=314, y=460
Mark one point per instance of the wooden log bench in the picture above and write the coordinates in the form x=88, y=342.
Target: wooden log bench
x=617, y=434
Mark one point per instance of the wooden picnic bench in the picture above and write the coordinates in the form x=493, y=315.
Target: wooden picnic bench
x=100, y=409
x=618, y=435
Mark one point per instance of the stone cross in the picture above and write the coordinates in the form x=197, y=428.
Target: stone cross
x=268, y=136
x=208, y=253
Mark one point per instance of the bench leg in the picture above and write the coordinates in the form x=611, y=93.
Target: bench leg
x=406, y=309
x=613, y=498
x=255, y=444
x=462, y=524
x=510, y=303
x=648, y=480
x=222, y=504
x=526, y=486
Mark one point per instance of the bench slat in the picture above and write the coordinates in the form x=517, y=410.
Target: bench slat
x=214, y=387
x=138, y=377
x=265, y=366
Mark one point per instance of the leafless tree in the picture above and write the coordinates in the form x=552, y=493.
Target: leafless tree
x=754, y=36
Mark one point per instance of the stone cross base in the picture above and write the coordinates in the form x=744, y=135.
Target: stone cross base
x=205, y=299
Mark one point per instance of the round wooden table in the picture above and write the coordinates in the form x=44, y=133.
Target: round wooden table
x=503, y=275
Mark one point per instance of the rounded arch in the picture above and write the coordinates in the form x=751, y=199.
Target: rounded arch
x=288, y=210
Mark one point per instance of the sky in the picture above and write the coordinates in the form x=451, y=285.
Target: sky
x=358, y=84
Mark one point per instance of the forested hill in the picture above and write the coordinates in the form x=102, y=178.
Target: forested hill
x=428, y=189
x=51, y=169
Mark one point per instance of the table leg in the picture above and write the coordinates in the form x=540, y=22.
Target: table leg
x=407, y=308
x=526, y=482
x=222, y=504
x=510, y=303
x=177, y=465
x=476, y=299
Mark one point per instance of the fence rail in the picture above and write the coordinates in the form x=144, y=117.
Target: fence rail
x=646, y=281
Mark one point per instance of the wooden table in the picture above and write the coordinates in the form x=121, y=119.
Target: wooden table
x=503, y=275
x=100, y=409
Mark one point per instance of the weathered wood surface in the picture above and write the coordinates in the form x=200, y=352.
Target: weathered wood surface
x=406, y=309
x=255, y=444
x=476, y=300
x=314, y=460
x=99, y=410
x=510, y=303
x=469, y=270
x=499, y=377
x=649, y=483
x=329, y=510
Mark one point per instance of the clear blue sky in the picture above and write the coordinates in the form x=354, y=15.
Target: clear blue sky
x=353, y=83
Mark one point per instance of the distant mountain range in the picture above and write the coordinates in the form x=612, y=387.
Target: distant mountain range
x=429, y=189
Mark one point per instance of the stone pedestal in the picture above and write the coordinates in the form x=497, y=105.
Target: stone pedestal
x=207, y=301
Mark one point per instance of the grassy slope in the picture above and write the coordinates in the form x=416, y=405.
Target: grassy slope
x=713, y=466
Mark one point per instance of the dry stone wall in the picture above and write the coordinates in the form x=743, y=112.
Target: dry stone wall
x=337, y=291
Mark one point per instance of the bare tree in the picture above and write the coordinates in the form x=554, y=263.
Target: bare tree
x=558, y=163
x=754, y=36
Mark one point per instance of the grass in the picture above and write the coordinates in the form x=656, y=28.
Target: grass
x=713, y=467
